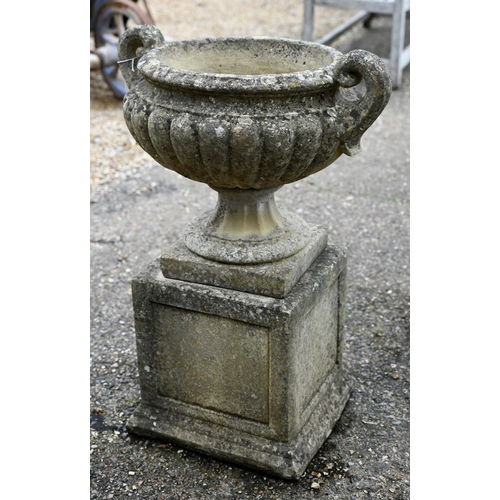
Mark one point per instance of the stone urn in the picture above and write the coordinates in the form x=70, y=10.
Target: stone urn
x=246, y=116
x=239, y=325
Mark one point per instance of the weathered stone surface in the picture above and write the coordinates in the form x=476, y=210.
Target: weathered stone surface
x=203, y=360
x=274, y=279
x=247, y=228
x=240, y=376
x=244, y=376
x=247, y=114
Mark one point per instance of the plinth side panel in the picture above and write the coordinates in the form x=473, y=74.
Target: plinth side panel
x=316, y=346
x=211, y=361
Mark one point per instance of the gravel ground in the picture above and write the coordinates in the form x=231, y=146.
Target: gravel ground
x=138, y=209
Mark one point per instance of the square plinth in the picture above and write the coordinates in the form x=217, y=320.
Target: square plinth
x=274, y=279
x=247, y=378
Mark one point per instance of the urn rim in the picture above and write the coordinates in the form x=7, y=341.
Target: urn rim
x=184, y=64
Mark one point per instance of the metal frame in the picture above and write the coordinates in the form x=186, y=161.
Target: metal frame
x=399, y=54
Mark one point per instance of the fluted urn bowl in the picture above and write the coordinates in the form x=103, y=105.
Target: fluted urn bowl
x=246, y=116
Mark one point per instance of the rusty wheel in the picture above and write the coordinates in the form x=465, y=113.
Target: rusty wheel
x=112, y=20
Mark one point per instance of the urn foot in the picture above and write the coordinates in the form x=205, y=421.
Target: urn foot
x=247, y=228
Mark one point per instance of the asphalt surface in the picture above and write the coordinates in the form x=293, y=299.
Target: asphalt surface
x=364, y=202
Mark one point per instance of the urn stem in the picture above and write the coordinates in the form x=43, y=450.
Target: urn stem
x=246, y=214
